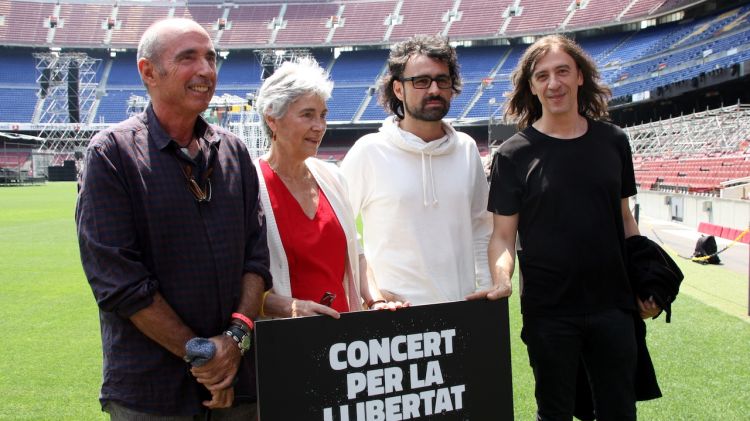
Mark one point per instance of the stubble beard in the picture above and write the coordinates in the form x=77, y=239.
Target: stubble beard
x=431, y=114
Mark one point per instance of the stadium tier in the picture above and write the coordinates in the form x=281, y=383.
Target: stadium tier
x=632, y=62
x=637, y=58
x=694, y=175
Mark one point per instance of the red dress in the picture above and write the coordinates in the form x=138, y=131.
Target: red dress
x=315, y=248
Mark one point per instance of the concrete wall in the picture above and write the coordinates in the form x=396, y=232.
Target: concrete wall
x=732, y=213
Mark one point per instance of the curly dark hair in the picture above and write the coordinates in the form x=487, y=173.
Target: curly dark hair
x=433, y=46
x=525, y=106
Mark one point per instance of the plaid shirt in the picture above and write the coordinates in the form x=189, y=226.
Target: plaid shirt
x=141, y=230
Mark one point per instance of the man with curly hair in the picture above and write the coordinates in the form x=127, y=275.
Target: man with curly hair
x=419, y=184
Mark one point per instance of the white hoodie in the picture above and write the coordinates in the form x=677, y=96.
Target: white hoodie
x=424, y=212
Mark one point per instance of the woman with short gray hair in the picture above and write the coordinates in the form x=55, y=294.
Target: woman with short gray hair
x=315, y=260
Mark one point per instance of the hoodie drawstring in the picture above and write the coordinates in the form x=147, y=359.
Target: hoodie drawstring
x=424, y=183
x=432, y=181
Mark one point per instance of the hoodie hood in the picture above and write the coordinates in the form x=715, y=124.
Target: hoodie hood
x=413, y=144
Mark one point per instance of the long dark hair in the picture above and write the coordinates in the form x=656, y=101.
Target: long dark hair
x=525, y=106
x=433, y=46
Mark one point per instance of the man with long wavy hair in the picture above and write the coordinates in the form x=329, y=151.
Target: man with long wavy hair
x=561, y=185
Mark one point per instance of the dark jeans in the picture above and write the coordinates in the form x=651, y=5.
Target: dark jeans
x=241, y=412
x=605, y=344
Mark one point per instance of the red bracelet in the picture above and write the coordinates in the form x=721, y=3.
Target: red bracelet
x=246, y=320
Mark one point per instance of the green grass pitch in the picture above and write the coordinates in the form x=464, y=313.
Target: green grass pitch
x=50, y=365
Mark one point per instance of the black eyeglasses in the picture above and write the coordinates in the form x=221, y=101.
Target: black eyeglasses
x=201, y=195
x=424, y=82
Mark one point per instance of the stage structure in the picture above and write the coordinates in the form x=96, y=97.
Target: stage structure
x=67, y=93
x=244, y=121
x=711, y=131
x=271, y=59
x=232, y=112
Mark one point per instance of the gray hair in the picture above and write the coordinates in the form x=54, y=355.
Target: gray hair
x=148, y=46
x=289, y=82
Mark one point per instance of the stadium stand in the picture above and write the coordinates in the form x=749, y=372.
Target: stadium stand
x=363, y=23
x=83, y=24
x=358, y=66
x=18, y=104
x=663, y=59
x=305, y=24
x=643, y=8
x=250, y=25
x=631, y=62
x=695, y=153
x=240, y=69
x=539, y=16
x=13, y=159
x=26, y=23
x=479, y=18
x=134, y=19
x=418, y=19
x=691, y=174
x=606, y=10
x=208, y=16
x=17, y=68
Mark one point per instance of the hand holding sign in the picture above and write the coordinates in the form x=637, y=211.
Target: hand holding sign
x=450, y=359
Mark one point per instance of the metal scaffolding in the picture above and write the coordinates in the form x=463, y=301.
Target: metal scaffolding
x=720, y=130
x=232, y=112
x=67, y=93
x=244, y=121
x=271, y=59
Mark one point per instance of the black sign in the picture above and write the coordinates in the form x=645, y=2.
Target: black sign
x=443, y=361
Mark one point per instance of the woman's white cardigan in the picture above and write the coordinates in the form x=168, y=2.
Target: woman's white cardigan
x=332, y=183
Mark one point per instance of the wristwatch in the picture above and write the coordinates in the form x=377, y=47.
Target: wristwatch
x=241, y=336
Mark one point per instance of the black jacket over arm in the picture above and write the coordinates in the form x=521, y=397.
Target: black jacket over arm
x=652, y=274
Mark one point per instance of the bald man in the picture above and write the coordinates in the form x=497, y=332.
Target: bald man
x=173, y=242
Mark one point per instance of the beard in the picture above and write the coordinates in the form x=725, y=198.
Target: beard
x=428, y=114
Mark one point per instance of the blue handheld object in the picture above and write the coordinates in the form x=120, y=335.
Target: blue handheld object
x=199, y=351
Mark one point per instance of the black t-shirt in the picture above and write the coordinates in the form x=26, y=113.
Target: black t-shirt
x=567, y=193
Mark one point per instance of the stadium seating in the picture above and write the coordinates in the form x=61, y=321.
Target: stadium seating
x=83, y=24
x=305, y=24
x=538, y=16
x=206, y=15
x=418, y=19
x=345, y=101
x=631, y=62
x=362, y=66
x=691, y=174
x=26, y=23
x=606, y=10
x=250, y=25
x=363, y=23
x=119, y=24
x=17, y=104
x=134, y=19
x=18, y=67
x=479, y=18
x=12, y=159
x=241, y=68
